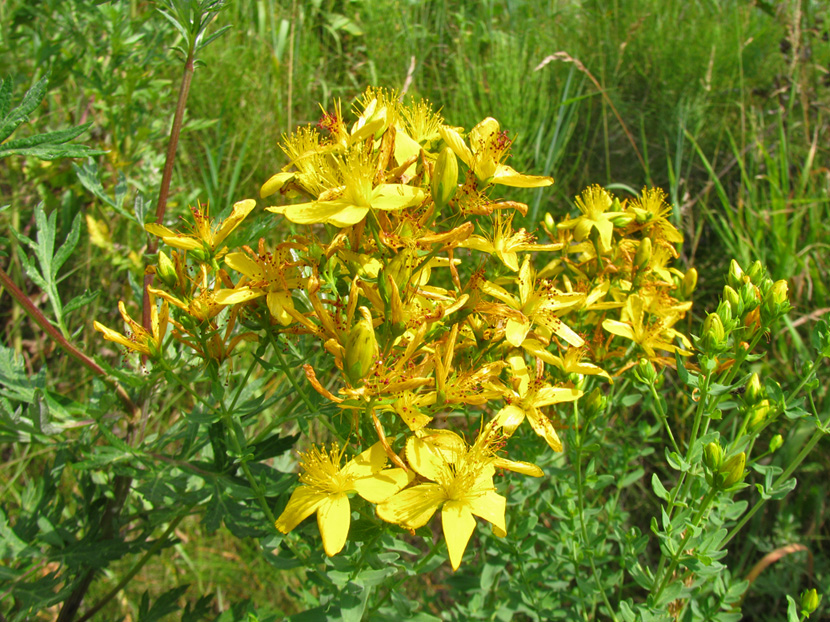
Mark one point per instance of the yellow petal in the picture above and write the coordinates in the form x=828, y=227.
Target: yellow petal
x=515, y=332
x=525, y=468
x=507, y=176
x=240, y=210
x=456, y=143
x=396, y=196
x=509, y=418
x=235, y=296
x=413, y=507
x=544, y=428
x=333, y=518
x=116, y=337
x=547, y=395
x=243, y=263
x=277, y=303
x=458, y=525
x=380, y=486
x=431, y=454
x=370, y=461
x=490, y=506
x=275, y=183
x=303, y=503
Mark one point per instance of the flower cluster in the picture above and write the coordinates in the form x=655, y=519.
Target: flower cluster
x=412, y=276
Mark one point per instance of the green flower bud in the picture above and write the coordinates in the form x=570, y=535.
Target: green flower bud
x=594, y=403
x=444, y=182
x=714, y=335
x=734, y=300
x=779, y=295
x=645, y=371
x=755, y=272
x=551, y=226
x=713, y=456
x=753, y=393
x=809, y=601
x=689, y=282
x=361, y=348
x=759, y=414
x=775, y=443
x=735, y=278
x=623, y=219
x=167, y=270
x=725, y=312
x=733, y=470
x=643, y=255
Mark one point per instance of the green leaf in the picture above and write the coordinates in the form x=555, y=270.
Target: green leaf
x=88, y=176
x=80, y=301
x=658, y=488
x=19, y=115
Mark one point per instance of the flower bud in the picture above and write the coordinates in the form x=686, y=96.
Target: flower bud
x=759, y=414
x=645, y=371
x=725, y=312
x=713, y=333
x=735, y=278
x=752, y=393
x=755, y=272
x=400, y=267
x=733, y=470
x=712, y=456
x=809, y=601
x=775, y=443
x=779, y=295
x=731, y=296
x=643, y=255
x=361, y=348
x=594, y=403
x=167, y=270
x=689, y=282
x=551, y=226
x=444, y=178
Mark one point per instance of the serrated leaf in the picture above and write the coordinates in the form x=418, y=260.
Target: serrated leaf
x=81, y=300
x=65, y=250
x=88, y=176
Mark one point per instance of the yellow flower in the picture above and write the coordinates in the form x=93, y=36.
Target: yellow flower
x=527, y=398
x=656, y=335
x=506, y=242
x=326, y=486
x=489, y=146
x=460, y=484
x=539, y=302
x=139, y=340
x=349, y=203
x=272, y=275
x=651, y=211
x=594, y=204
x=205, y=236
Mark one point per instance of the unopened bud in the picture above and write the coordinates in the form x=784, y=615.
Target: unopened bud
x=594, y=403
x=809, y=601
x=551, y=226
x=779, y=295
x=689, y=282
x=755, y=272
x=734, y=300
x=713, y=333
x=167, y=270
x=395, y=307
x=759, y=414
x=775, y=443
x=444, y=178
x=712, y=456
x=643, y=255
x=725, y=312
x=753, y=394
x=361, y=348
x=735, y=278
x=733, y=470
x=645, y=371
x=400, y=267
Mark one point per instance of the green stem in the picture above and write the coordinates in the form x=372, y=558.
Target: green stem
x=675, y=559
x=157, y=545
x=661, y=414
x=580, y=491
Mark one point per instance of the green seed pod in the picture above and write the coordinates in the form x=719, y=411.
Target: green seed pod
x=646, y=371
x=444, y=182
x=775, y=443
x=361, y=348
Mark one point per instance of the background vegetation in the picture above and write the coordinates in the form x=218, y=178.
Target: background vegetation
x=723, y=104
